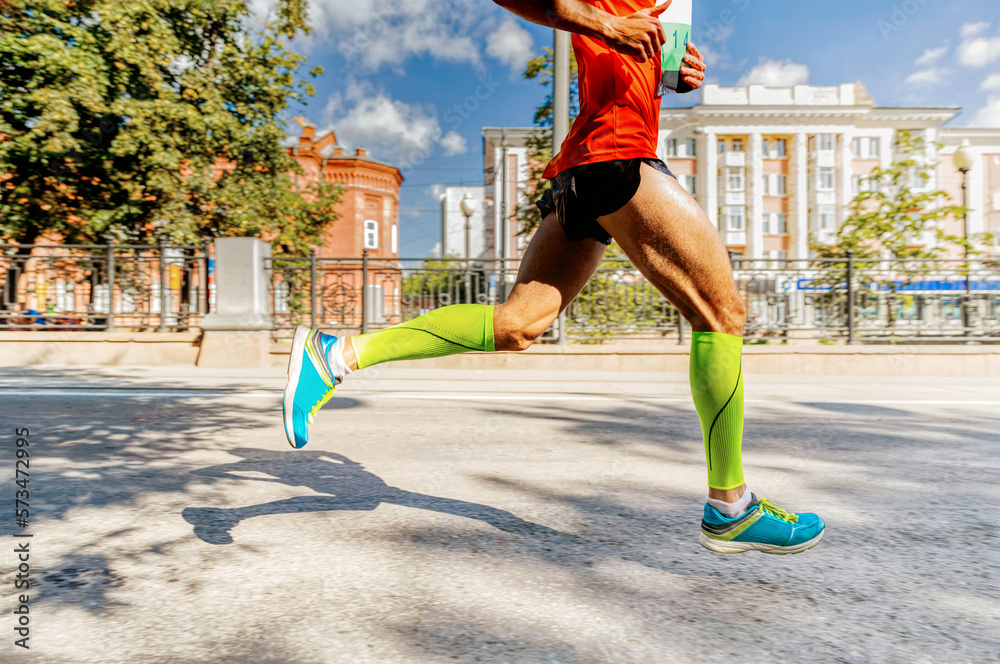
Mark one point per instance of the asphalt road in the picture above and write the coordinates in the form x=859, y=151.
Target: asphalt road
x=493, y=517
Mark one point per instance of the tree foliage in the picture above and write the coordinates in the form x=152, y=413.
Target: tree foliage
x=891, y=217
x=113, y=115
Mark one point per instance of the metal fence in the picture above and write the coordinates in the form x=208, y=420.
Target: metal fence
x=103, y=287
x=849, y=300
x=871, y=301
x=169, y=288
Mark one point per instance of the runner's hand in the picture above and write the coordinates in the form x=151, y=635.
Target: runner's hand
x=639, y=35
x=694, y=73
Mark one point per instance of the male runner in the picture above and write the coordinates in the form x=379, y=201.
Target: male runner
x=607, y=183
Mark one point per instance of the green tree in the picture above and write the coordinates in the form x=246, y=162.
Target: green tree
x=539, y=143
x=113, y=115
x=889, y=217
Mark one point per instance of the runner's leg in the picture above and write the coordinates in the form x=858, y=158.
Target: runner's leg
x=671, y=241
x=552, y=273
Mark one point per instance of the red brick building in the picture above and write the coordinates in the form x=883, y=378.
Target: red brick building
x=371, y=194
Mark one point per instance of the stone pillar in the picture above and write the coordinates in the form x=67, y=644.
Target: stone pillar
x=755, y=200
x=708, y=172
x=800, y=235
x=238, y=332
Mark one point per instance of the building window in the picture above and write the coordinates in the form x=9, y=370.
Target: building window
x=826, y=176
x=371, y=234
x=765, y=224
x=395, y=238
x=824, y=141
x=874, y=147
x=856, y=148
x=766, y=147
x=734, y=218
x=782, y=255
x=692, y=147
x=826, y=217
x=781, y=147
x=691, y=184
x=734, y=179
x=855, y=184
x=782, y=224
x=737, y=145
x=775, y=184
x=671, y=147
x=722, y=145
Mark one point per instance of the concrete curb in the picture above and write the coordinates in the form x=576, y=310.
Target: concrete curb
x=188, y=348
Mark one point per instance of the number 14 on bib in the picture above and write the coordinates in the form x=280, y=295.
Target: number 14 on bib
x=676, y=21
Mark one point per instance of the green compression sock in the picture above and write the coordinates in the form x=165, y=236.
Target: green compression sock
x=445, y=331
x=717, y=387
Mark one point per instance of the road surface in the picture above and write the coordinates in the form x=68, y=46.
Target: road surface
x=447, y=516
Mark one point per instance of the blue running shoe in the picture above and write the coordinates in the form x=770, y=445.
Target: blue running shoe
x=311, y=381
x=764, y=527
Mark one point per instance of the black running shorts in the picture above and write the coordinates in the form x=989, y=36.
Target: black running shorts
x=581, y=194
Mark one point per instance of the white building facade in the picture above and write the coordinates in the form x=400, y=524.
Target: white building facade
x=775, y=167
x=505, y=171
x=457, y=236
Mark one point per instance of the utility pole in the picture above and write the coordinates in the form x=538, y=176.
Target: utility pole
x=503, y=216
x=560, y=119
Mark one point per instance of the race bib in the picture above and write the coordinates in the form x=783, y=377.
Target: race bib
x=676, y=21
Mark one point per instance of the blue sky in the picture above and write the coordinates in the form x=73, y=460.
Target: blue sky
x=396, y=69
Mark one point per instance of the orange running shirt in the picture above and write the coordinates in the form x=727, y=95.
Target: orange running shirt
x=619, y=110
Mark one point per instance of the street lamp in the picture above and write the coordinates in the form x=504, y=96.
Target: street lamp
x=963, y=162
x=468, y=207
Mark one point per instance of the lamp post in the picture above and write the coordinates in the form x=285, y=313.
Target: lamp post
x=963, y=162
x=468, y=207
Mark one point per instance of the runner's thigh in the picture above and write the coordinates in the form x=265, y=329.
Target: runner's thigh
x=672, y=242
x=552, y=273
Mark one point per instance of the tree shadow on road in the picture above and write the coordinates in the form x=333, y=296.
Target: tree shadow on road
x=347, y=485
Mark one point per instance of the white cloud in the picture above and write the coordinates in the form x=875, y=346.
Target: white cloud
x=988, y=115
x=510, y=44
x=977, y=50
x=930, y=76
x=385, y=33
x=931, y=56
x=776, y=74
x=991, y=83
x=974, y=29
x=453, y=144
x=393, y=130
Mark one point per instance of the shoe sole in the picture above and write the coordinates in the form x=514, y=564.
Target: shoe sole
x=720, y=546
x=294, y=369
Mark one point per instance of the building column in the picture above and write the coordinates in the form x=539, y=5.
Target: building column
x=977, y=192
x=847, y=169
x=800, y=226
x=708, y=173
x=888, y=137
x=755, y=207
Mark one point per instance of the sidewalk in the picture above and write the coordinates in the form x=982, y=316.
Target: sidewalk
x=246, y=350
